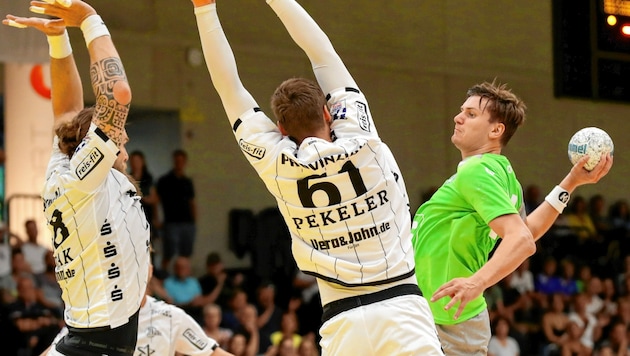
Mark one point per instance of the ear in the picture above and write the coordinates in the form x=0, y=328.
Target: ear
x=497, y=130
x=327, y=115
x=282, y=130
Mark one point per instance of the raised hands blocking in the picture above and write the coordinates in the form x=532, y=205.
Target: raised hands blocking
x=66, y=13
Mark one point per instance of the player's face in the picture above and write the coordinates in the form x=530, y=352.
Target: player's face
x=472, y=127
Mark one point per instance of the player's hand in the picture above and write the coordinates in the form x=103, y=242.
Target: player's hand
x=50, y=27
x=72, y=15
x=460, y=290
x=583, y=176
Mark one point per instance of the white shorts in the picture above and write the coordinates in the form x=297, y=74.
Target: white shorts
x=399, y=326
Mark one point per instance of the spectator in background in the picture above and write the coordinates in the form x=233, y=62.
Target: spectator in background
x=598, y=214
x=247, y=317
x=237, y=301
x=593, y=302
x=270, y=316
x=212, y=316
x=574, y=345
x=33, y=251
x=547, y=282
x=532, y=198
x=140, y=173
x=584, y=277
x=308, y=346
x=213, y=280
x=177, y=197
x=568, y=284
x=49, y=291
x=288, y=329
x=617, y=339
x=591, y=330
x=19, y=268
x=184, y=289
x=37, y=324
x=555, y=323
x=580, y=223
x=501, y=344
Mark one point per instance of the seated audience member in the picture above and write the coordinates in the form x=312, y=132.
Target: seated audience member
x=247, y=337
x=49, y=291
x=574, y=345
x=37, y=325
x=184, y=289
x=237, y=301
x=213, y=280
x=269, y=314
x=288, y=329
x=501, y=344
x=618, y=339
x=555, y=323
x=211, y=324
x=33, y=251
x=588, y=323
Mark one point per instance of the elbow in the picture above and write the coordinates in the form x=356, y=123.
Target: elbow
x=122, y=92
x=528, y=243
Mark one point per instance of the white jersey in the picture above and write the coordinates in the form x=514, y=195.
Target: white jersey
x=164, y=329
x=345, y=201
x=100, y=234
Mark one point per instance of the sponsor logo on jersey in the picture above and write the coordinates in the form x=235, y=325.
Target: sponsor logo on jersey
x=338, y=110
x=199, y=342
x=89, y=163
x=352, y=239
x=252, y=150
x=363, y=117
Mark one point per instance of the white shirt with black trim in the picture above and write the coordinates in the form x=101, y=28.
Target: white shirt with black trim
x=164, y=329
x=100, y=234
x=345, y=201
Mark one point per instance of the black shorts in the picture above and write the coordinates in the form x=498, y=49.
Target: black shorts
x=120, y=341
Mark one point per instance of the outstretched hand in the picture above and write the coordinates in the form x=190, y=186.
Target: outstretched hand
x=50, y=27
x=461, y=290
x=72, y=14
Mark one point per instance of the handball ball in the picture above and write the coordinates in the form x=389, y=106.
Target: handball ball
x=591, y=141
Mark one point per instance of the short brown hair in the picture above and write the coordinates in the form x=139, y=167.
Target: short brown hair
x=298, y=106
x=71, y=133
x=503, y=105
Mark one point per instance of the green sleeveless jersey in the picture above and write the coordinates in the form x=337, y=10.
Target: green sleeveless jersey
x=451, y=236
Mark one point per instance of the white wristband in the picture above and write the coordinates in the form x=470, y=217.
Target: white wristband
x=93, y=27
x=558, y=198
x=59, y=46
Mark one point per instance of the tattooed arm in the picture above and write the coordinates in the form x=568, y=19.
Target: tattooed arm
x=112, y=91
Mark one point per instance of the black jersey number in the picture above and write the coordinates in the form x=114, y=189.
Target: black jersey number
x=306, y=189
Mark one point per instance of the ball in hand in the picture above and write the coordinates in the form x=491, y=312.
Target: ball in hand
x=591, y=141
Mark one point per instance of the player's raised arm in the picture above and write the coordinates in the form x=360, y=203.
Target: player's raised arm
x=66, y=88
x=328, y=67
x=109, y=82
x=220, y=61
